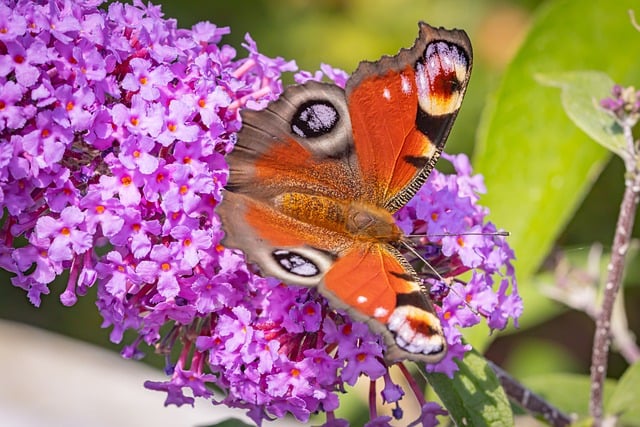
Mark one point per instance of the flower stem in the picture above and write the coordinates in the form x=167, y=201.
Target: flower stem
x=615, y=269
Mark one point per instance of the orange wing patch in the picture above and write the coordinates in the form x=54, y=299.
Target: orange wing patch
x=369, y=278
x=383, y=113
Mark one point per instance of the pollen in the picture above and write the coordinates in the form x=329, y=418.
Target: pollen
x=70, y=105
x=202, y=103
x=310, y=311
x=186, y=160
x=460, y=241
x=295, y=372
x=136, y=154
x=187, y=242
x=159, y=177
x=143, y=80
x=3, y=105
x=134, y=121
x=172, y=127
x=125, y=180
x=18, y=59
x=65, y=231
x=184, y=189
x=45, y=133
x=361, y=357
x=136, y=227
x=434, y=216
x=165, y=266
x=99, y=209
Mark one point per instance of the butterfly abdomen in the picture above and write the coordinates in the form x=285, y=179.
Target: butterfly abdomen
x=362, y=221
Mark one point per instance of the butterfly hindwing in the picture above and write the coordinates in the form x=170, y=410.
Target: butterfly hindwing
x=282, y=246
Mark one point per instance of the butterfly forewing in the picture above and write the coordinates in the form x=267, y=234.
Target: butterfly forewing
x=299, y=143
x=402, y=109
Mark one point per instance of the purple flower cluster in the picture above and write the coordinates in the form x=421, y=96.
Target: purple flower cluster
x=457, y=239
x=624, y=104
x=113, y=129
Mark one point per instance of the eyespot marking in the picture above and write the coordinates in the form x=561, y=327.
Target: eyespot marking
x=417, y=331
x=295, y=263
x=440, y=77
x=314, y=118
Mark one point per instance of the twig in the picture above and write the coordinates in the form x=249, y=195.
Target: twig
x=601, y=340
x=530, y=401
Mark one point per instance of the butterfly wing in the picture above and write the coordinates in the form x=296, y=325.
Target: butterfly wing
x=402, y=109
x=301, y=143
x=375, y=284
x=299, y=146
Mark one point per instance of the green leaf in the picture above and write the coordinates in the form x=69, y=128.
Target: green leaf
x=537, y=165
x=625, y=398
x=474, y=395
x=581, y=95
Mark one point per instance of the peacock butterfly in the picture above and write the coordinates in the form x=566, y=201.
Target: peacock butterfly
x=316, y=176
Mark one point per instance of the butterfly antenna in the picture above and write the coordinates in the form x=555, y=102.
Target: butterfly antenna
x=411, y=249
x=500, y=233
x=439, y=276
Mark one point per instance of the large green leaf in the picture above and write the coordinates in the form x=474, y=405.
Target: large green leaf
x=474, y=395
x=537, y=164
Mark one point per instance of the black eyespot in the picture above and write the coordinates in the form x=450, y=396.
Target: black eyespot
x=314, y=118
x=295, y=263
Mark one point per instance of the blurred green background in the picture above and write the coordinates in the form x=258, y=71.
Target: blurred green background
x=342, y=33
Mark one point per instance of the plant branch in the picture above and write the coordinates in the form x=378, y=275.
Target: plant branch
x=601, y=341
x=528, y=400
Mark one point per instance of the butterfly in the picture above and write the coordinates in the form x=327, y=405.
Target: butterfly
x=314, y=180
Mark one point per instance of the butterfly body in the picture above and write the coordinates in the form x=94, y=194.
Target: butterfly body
x=316, y=177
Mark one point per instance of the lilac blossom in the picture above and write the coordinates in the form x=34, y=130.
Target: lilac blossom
x=114, y=124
